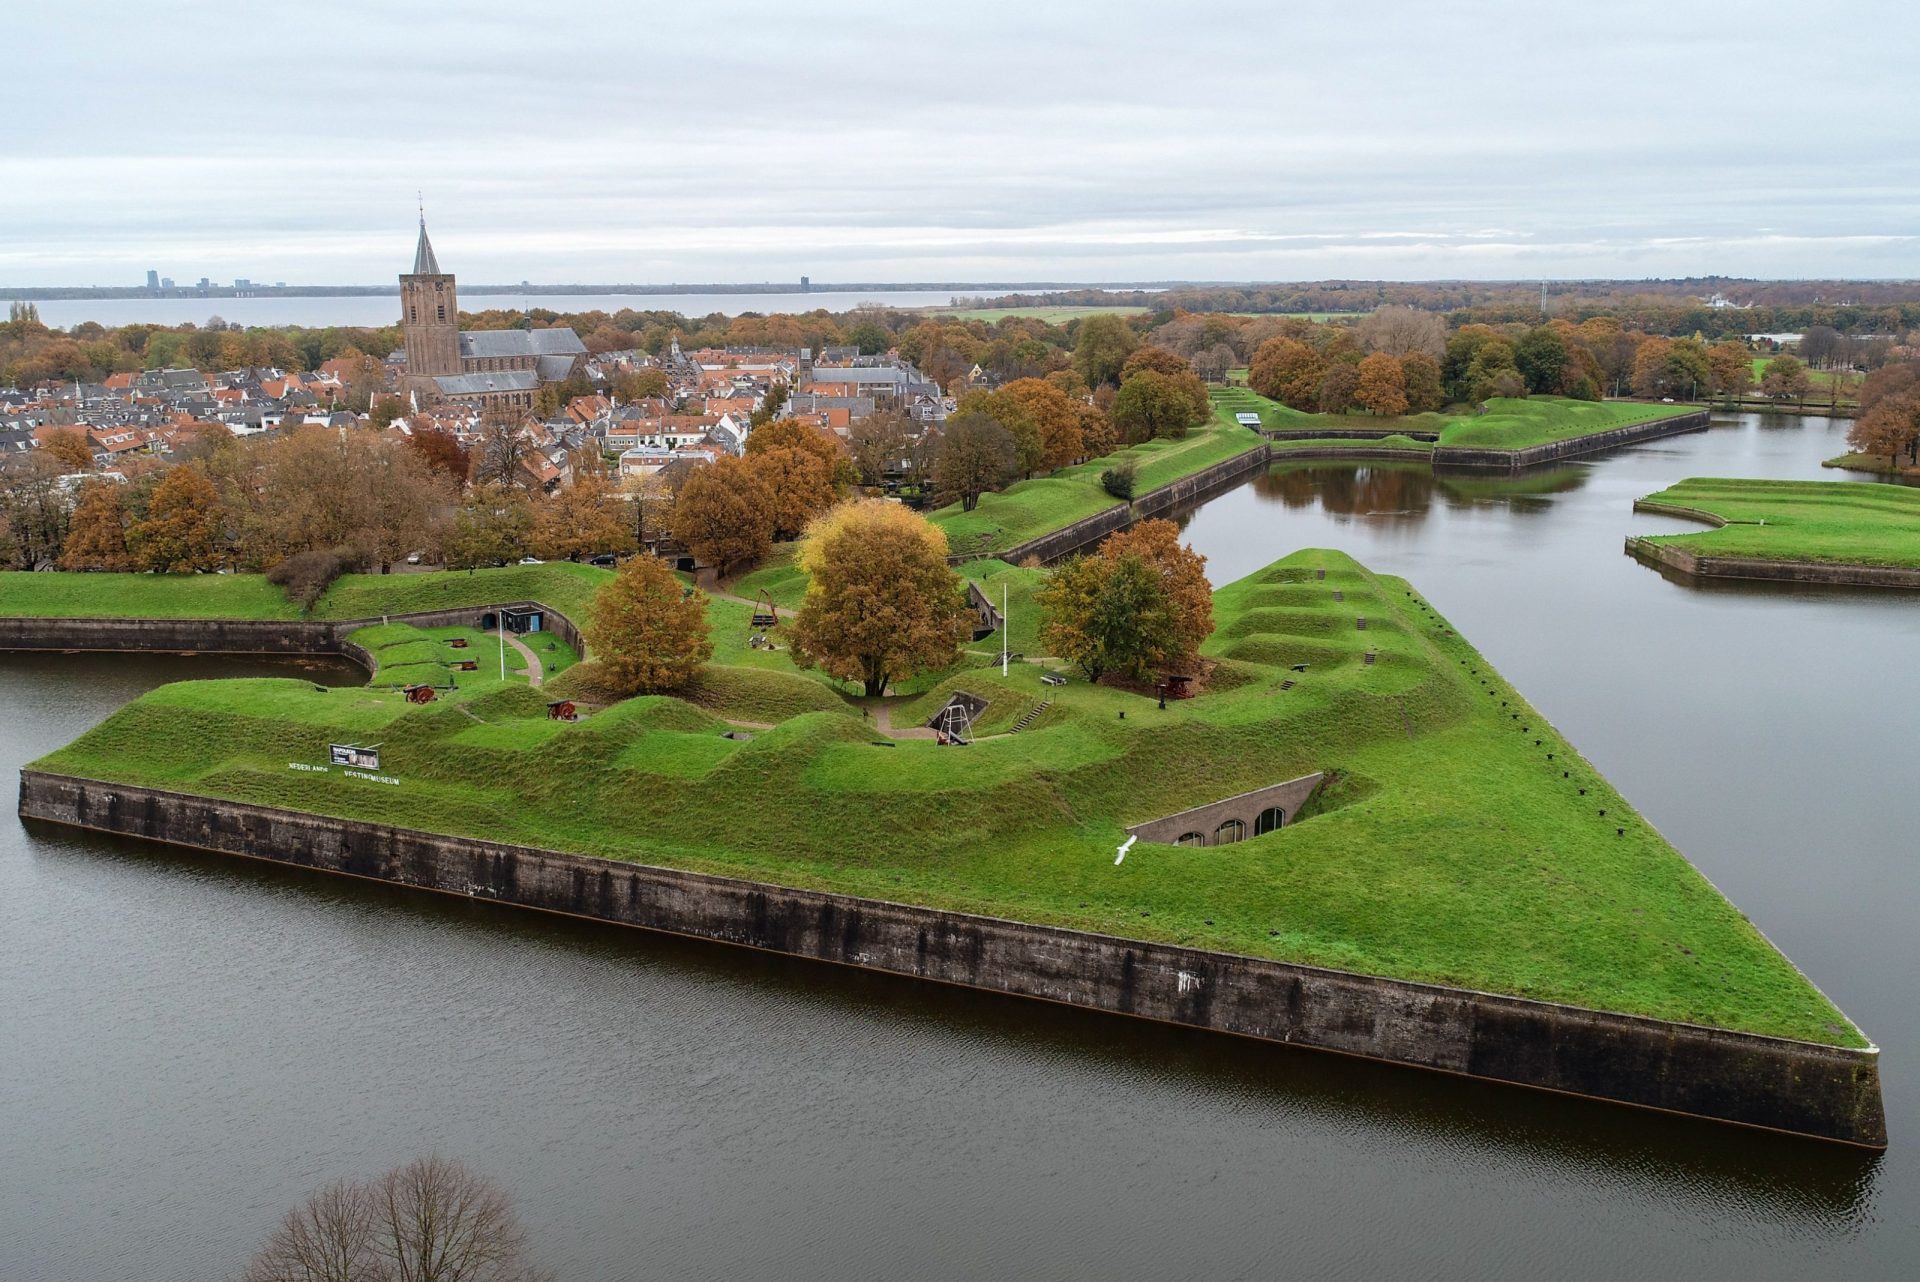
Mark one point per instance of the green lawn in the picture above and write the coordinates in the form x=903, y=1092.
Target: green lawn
x=1818, y=377
x=1028, y=509
x=565, y=586
x=1842, y=522
x=1457, y=846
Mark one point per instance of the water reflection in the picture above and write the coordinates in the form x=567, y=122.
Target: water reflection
x=1407, y=490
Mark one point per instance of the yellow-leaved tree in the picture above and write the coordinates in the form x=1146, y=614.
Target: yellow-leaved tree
x=649, y=632
x=881, y=601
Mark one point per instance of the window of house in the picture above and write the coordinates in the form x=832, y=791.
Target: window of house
x=1230, y=831
x=1269, y=819
x=1192, y=839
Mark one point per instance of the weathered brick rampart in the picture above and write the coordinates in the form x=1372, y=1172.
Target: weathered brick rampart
x=1827, y=1092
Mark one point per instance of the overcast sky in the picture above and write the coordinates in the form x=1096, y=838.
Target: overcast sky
x=651, y=142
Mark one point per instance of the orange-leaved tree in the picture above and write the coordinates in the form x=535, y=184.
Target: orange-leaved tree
x=881, y=601
x=724, y=515
x=181, y=531
x=648, y=632
x=1382, y=389
x=97, y=539
x=1182, y=570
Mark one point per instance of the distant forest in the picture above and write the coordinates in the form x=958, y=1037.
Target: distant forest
x=1671, y=307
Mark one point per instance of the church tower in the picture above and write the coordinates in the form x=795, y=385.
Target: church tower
x=429, y=317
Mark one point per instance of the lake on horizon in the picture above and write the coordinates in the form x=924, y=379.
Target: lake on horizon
x=384, y=309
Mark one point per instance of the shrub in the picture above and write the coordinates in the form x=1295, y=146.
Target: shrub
x=306, y=576
x=1118, y=479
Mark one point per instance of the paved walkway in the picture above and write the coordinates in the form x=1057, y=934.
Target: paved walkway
x=535, y=672
x=708, y=581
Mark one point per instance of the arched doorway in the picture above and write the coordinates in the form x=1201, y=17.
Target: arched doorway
x=1230, y=831
x=1269, y=819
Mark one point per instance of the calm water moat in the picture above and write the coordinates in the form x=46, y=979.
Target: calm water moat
x=189, y=1044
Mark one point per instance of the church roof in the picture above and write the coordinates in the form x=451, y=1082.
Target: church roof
x=424, y=263
x=521, y=342
x=506, y=380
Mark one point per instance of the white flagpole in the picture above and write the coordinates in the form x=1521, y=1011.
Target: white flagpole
x=1003, y=629
x=501, y=622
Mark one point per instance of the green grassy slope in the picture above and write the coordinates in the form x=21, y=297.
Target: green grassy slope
x=565, y=586
x=1028, y=509
x=1507, y=424
x=1843, y=522
x=1458, y=847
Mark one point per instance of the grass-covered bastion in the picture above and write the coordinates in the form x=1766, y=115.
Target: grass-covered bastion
x=1842, y=532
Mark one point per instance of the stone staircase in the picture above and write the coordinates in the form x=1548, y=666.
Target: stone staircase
x=1033, y=714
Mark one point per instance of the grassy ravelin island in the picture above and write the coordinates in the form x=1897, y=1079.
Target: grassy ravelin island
x=1852, y=533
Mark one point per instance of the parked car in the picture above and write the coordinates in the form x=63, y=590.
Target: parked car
x=605, y=558
x=531, y=560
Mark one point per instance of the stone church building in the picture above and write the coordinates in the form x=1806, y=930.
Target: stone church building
x=494, y=369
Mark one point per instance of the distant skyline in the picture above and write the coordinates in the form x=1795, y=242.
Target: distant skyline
x=995, y=141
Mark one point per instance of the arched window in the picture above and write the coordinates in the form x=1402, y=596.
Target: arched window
x=1269, y=819
x=1230, y=831
x=442, y=309
x=1192, y=839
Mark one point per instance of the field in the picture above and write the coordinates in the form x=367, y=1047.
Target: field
x=1028, y=509
x=565, y=586
x=1818, y=377
x=1838, y=522
x=1462, y=841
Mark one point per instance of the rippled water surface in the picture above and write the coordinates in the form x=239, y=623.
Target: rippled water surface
x=189, y=1043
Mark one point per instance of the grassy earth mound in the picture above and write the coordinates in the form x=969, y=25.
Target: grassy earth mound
x=1465, y=842
x=1836, y=522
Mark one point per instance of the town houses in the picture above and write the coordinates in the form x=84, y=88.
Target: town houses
x=684, y=407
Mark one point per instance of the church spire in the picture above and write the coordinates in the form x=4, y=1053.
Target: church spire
x=424, y=263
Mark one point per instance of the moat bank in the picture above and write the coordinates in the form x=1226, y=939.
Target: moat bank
x=1824, y=1092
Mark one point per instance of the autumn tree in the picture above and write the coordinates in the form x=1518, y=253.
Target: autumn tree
x=1109, y=614
x=1731, y=366
x=1176, y=368
x=724, y=515
x=1288, y=371
x=647, y=633
x=97, y=537
x=1184, y=574
x=799, y=486
x=70, y=446
x=640, y=384
x=879, y=444
x=1152, y=405
x=1403, y=331
x=1785, y=379
x=976, y=455
x=1055, y=417
x=1101, y=348
x=442, y=451
x=881, y=603
x=1421, y=374
x=492, y=526
x=1338, y=386
x=180, y=533
x=34, y=509
x=1541, y=357
x=585, y=519
x=501, y=450
x=1097, y=434
x=1889, y=430
x=1382, y=386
